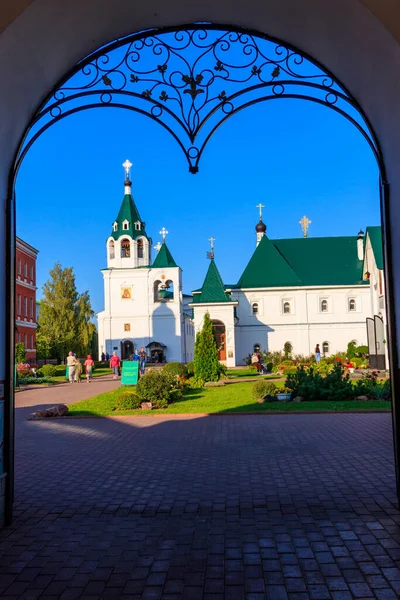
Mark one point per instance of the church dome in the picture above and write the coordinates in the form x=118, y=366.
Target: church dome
x=261, y=227
x=128, y=182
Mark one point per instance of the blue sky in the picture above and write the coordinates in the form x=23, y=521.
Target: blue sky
x=295, y=157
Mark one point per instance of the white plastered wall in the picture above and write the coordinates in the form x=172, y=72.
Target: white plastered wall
x=223, y=312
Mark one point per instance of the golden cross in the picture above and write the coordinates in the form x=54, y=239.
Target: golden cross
x=305, y=222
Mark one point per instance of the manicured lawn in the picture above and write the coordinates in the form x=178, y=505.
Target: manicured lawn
x=228, y=399
x=238, y=373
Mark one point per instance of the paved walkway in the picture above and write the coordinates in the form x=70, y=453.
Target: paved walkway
x=288, y=507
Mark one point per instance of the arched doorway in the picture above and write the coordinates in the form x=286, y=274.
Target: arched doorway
x=126, y=349
x=220, y=338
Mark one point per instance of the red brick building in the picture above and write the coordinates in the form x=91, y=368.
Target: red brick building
x=25, y=297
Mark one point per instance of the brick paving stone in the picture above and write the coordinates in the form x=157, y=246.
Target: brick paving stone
x=286, y=507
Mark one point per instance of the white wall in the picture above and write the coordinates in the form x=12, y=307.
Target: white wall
x=306, y=325
x=149, y=320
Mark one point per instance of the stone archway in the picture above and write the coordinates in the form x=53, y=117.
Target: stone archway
x=54, y=40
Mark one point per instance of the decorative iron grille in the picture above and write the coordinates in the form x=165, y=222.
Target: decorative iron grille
x=191, y=80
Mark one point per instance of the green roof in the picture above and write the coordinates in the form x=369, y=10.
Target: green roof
x=268, y=268
x=163, y=259
x=128, y=212
x=375, y=235
x=213, y=288
x=304, y=262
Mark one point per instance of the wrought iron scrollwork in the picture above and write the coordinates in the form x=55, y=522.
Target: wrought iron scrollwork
x=190, y=80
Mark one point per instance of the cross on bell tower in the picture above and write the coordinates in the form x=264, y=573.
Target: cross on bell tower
x=305, y=223
x=163, y=234
x=210, y=255
x=261, y=228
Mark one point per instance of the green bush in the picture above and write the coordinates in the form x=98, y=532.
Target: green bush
x=48, y=371
x=176, y=368
x=263, y=388
x=253, y=369
x=269, y=367
x=371, y=387
x=207, y=365
x=357, y=361
x=351, y=350
x=34, y=380
x=311, y=385
x=195, y=382
x=159, y=388
x=190, y=368
x=289, y=370
x=362, y=351
x=20, y=353
x=127, y=401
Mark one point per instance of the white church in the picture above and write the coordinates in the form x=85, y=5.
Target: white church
x=305, y=291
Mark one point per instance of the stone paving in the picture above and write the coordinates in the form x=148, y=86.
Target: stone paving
x=288, y=507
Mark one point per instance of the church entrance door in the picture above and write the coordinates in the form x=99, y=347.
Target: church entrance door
x=126, y=349
x=220, y=337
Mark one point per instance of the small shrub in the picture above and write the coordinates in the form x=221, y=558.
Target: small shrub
x=291, y=369
x=127, y=401
x=311, y=385
x=253, y=369
x=362, y=351
x=34, y=380
x=20, y=353
x=287, y=363
x=24, y=370
x=159, y=388
x=351, y=350
x=357, y=361
x=269, y=367
x=48, y=371
x=263, y=388
x=176, y=368
x=222, y=370
x=195, y=382
x=190, y=368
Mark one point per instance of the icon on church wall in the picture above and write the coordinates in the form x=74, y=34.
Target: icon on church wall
x=126, y=293
x=127, y=327
x=230, y=353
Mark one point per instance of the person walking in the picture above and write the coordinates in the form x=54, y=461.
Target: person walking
x=71, y=365
x=317, y=353
x=78, y=371
x=255, y=361
x=142, y=360
x=115, y=364
x=89, y=364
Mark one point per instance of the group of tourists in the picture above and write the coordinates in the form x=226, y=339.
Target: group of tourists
x=115, y=362
x=75, y=368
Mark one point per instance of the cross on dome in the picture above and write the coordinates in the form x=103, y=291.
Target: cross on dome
x=260, y=207
x=127, y=166
x=304, y=223
x=163, y=234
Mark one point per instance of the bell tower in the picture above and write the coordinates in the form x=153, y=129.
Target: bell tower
x=128, y=245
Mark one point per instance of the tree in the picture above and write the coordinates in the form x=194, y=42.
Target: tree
x=206, y=364
x=65, y=316
x=20, y=353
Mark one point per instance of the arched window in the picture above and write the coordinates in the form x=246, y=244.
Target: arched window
x=286, y=308
x=125, y=248
x=324, y=305
x=115, y=226
x=156, y=288
x=255, y=308
x=125, y=225
x=325, y=348
x=256, y=348
x=140, y=248
x=137, y=226
x=111, y=250
x=169, y=285
x=352, y=304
